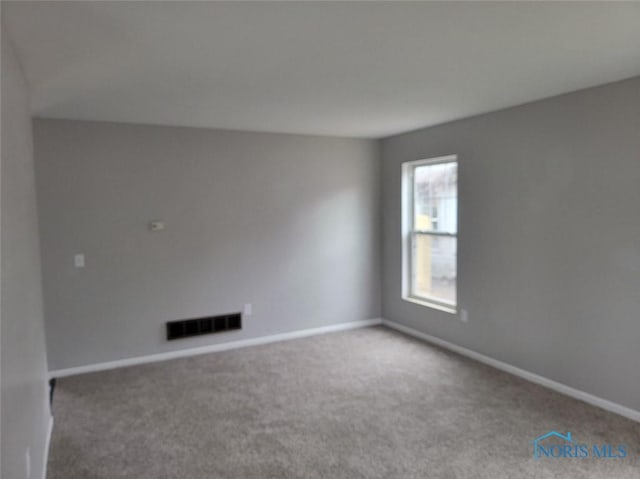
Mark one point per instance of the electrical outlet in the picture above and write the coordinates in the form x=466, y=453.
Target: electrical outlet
x=464, y=315
x=248, y=309
x=78, y=261
x=156, y=226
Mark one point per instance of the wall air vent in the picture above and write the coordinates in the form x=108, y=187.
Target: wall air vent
x=187, y=328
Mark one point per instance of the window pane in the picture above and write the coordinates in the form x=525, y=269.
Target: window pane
x=436, y=197
x=434, y=267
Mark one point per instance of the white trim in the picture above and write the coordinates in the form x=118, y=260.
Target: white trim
x=529, y=376
x=452, y=309
x=242, y=343
x=47, y=445
x=437, y=160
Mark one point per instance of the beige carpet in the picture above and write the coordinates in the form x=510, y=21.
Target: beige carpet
x=367, y=403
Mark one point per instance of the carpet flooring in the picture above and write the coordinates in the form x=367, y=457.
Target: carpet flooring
x=366, y=403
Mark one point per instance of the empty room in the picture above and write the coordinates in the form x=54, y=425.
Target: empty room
x=320, y=239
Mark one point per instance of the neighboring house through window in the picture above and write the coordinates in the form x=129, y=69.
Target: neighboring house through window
x=430, y=231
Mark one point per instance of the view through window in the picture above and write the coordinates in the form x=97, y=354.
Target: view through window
x=434, y=230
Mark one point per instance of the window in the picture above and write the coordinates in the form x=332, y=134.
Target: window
x=430, y=231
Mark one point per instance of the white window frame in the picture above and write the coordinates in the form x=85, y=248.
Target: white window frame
x=408, y=172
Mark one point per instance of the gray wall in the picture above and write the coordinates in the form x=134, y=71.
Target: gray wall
x=287, y=223
x=549, y=247
x=25, y=408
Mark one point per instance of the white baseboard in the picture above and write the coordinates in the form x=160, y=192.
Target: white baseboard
x=47, y=445
x=529, y=376
x=242, y=343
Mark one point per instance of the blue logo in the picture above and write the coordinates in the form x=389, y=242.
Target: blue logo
x=555, y=445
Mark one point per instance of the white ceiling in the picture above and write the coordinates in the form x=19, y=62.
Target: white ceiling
x=349, y=69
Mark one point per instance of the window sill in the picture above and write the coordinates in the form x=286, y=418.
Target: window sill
x=429, y=304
